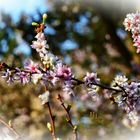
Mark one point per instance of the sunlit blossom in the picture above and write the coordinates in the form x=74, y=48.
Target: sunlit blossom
x=44, y=97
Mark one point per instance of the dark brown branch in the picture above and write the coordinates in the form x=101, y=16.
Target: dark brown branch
x=79, y=82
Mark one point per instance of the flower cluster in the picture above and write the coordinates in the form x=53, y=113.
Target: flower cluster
x=132, y=23
x=129, y=98
x=54, y=68
x=50, y=72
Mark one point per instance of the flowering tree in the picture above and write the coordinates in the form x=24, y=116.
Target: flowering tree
x=52, y=72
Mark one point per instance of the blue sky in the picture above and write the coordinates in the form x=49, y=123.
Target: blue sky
x=15, y=7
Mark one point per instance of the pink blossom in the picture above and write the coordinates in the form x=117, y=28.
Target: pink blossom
x=9, y=76
x=135, y=36
x=132, y=23
x=63, y=71
x=91, y=78
x=137, y=44
x=53, y=78
x=22, y=76
x=128, y=22
x=40, y=46
x=32, y=67
x=40, y=36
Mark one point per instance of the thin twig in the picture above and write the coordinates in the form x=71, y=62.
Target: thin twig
x=69, y=120
x=10, y=128
x=52, y=120
x=79, y=82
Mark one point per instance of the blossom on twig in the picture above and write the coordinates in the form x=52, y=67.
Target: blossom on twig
x=44, y=97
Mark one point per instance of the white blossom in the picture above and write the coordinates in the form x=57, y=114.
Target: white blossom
x=44, y=97
x=40, y=36
x=40, y=46
x=36, y=77
x=49, y=59
x=120, y=80
x=119, y=100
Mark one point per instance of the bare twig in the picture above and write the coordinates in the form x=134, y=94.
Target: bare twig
x=10, y=128
x=69, y=120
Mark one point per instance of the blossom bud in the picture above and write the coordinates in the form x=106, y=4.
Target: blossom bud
x=44, y=18
x=35, y=24
x=58, y=139
x=49, y=127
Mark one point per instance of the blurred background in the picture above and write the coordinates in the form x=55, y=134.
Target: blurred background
x=88, y=36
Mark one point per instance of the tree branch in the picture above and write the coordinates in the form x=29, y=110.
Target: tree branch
x=52, y=121
x=10, y=128
x=69, y=120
